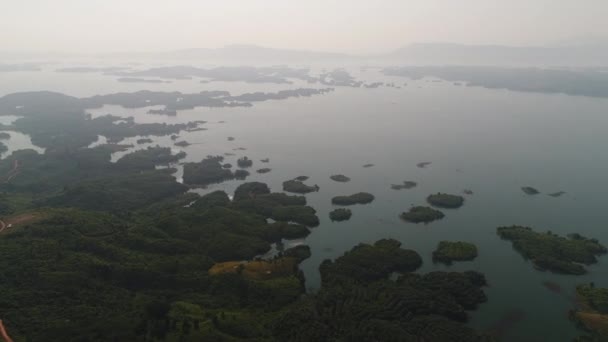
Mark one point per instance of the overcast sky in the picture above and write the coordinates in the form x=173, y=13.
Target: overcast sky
x=332, y=25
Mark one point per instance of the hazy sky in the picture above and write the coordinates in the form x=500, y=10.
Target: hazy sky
x=332, y=25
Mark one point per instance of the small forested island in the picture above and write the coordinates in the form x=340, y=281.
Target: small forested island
x=591, y=313
x=368, y=165
x=149, y=158
x=241, y=174
x=549, y=251
x=244, y=162
x=144, y=141
x=530, y=190
x=299, y=187
x=230, y=138
x=340, y=214
x=302, y=178
x=256, y=197
x=557, y=194
x=182, y=143
x=405, y=185
x=467, y=191
x=442, y=200
x=423, y=165
x=449, y=251
x=164, y=111
x=209, y=170
x=420, y=214
x=339, y=178
x=264, y=170
x=4, y=136
x=265, y=160
x=358, y=198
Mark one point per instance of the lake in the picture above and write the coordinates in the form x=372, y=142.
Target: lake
x=490, y=141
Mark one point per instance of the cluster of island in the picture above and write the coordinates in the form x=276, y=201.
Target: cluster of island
x=123, y=251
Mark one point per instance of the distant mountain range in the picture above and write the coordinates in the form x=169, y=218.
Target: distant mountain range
x=456, y=54
x=576, y=54
x=568, y=53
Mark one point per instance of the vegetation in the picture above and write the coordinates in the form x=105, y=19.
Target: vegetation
x=549, y=251
x=148, y=159
x=530, y=190
x=340, y=178
x=144, y=141
x=207, y=171
x=406, y=185
x=340, y=214
x=264, y=170
x=4, y=136
x=592, y=312
x=298, y=187
x=448, y=251
x=358, y=198
x=357, y=301
x=445, y=200
x=182, y=143
x=244, y=162
x=241, y=174
x=420, y=214
x=256, y=197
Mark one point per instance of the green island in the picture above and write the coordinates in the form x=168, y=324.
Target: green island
x=3, y=147
x=413, y=307
x=241, y=174
x=450, y=251
x=549, y=251
x=244, y=162
x=447, y=201
x=182, y=143
x=339, y=178
x=406, y=185
x=591, y=313
x=4, y=136
x=358, y=198
x=420, y=214
x=264, y=170
x=368, y=165
x=299, y=187
x=340, y=214
x=557, y=194
x=208, y=171
x=144, y=141
x=528, y=190
x=256, y=197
